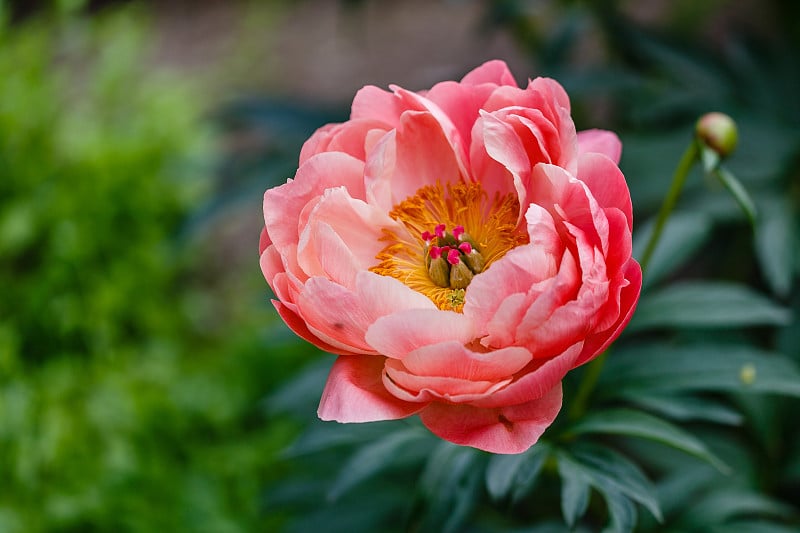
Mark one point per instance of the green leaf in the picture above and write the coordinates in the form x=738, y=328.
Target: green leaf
x=638, y=424
x=514, y=474
x=371, y=459
x=608, y=470
x=683, y=234
x=724, y=504
x=774, y=244
x=679, y=488
x=529, y=470
x=575, y=485
x=450, y=483
x=706, y=305
x=685, y=408
x=647, y=368
x=752, y=526
x=622, y=511
x=322, y=436
x=501, y=472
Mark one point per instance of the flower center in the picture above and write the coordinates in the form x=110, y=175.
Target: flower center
x=453, y=234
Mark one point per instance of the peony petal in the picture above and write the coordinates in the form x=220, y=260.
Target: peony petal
x=503, y=145
x=334, y=314
x=509, y=429
x=341, y=316
x=561, y=316
x=494, y=71
x=601, y=142
x=384, y=295
x=461, y=104
x=378, y=172
x=606, y=182
x=495, y=177
x=284, y=204
x=316, y=143
x=487, y=301
x=355, y=393
x=453, y=359
x=535, y=381
x=397, y=334
x=270, y=262
x=411, y=387
x=454, y=137
x=263, y=241
x=552, y=295
x=424, y=156
x=300, y=328
x=349, y=137
x=357, y=230
x=553, y=94
x=377, y=104
x=569, y=199
x=596, y=344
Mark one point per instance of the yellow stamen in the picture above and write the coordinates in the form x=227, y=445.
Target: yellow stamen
x=490, y=223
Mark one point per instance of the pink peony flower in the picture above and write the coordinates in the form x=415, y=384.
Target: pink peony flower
x=460, y=249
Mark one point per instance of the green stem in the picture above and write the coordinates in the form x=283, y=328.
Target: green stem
x=587, y=385
x=678, y=181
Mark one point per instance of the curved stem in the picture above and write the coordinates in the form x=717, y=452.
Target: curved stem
x=587, y=386
x=678, y=181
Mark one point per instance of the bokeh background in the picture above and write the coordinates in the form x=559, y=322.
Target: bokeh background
x=146, y=383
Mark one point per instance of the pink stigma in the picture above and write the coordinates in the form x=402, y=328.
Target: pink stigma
x=439, y=230
x=458, y=231
x=435, y=252
x=427, y=237
x=452, y=256
x=465, y=247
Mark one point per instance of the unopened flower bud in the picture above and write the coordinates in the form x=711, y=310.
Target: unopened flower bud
x=460, y=276
x=718, y=132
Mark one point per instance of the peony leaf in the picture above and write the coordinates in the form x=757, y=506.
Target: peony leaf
x=609, y=471
x=529, y=470
x=634, y=423
x=685, y=408
x=680, y=486
x=622, y=511
x=706, y=304
x=321, y=436
x=575, y=485
x=501, y=473
x=514, y=474
x=706, y=367
x=752, y=526
x=683, y=235
x=450, y=483
x=774, y=243
x=376, y=456
x=721, y=506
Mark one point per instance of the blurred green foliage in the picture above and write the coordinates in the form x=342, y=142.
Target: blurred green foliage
x=131, y=361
